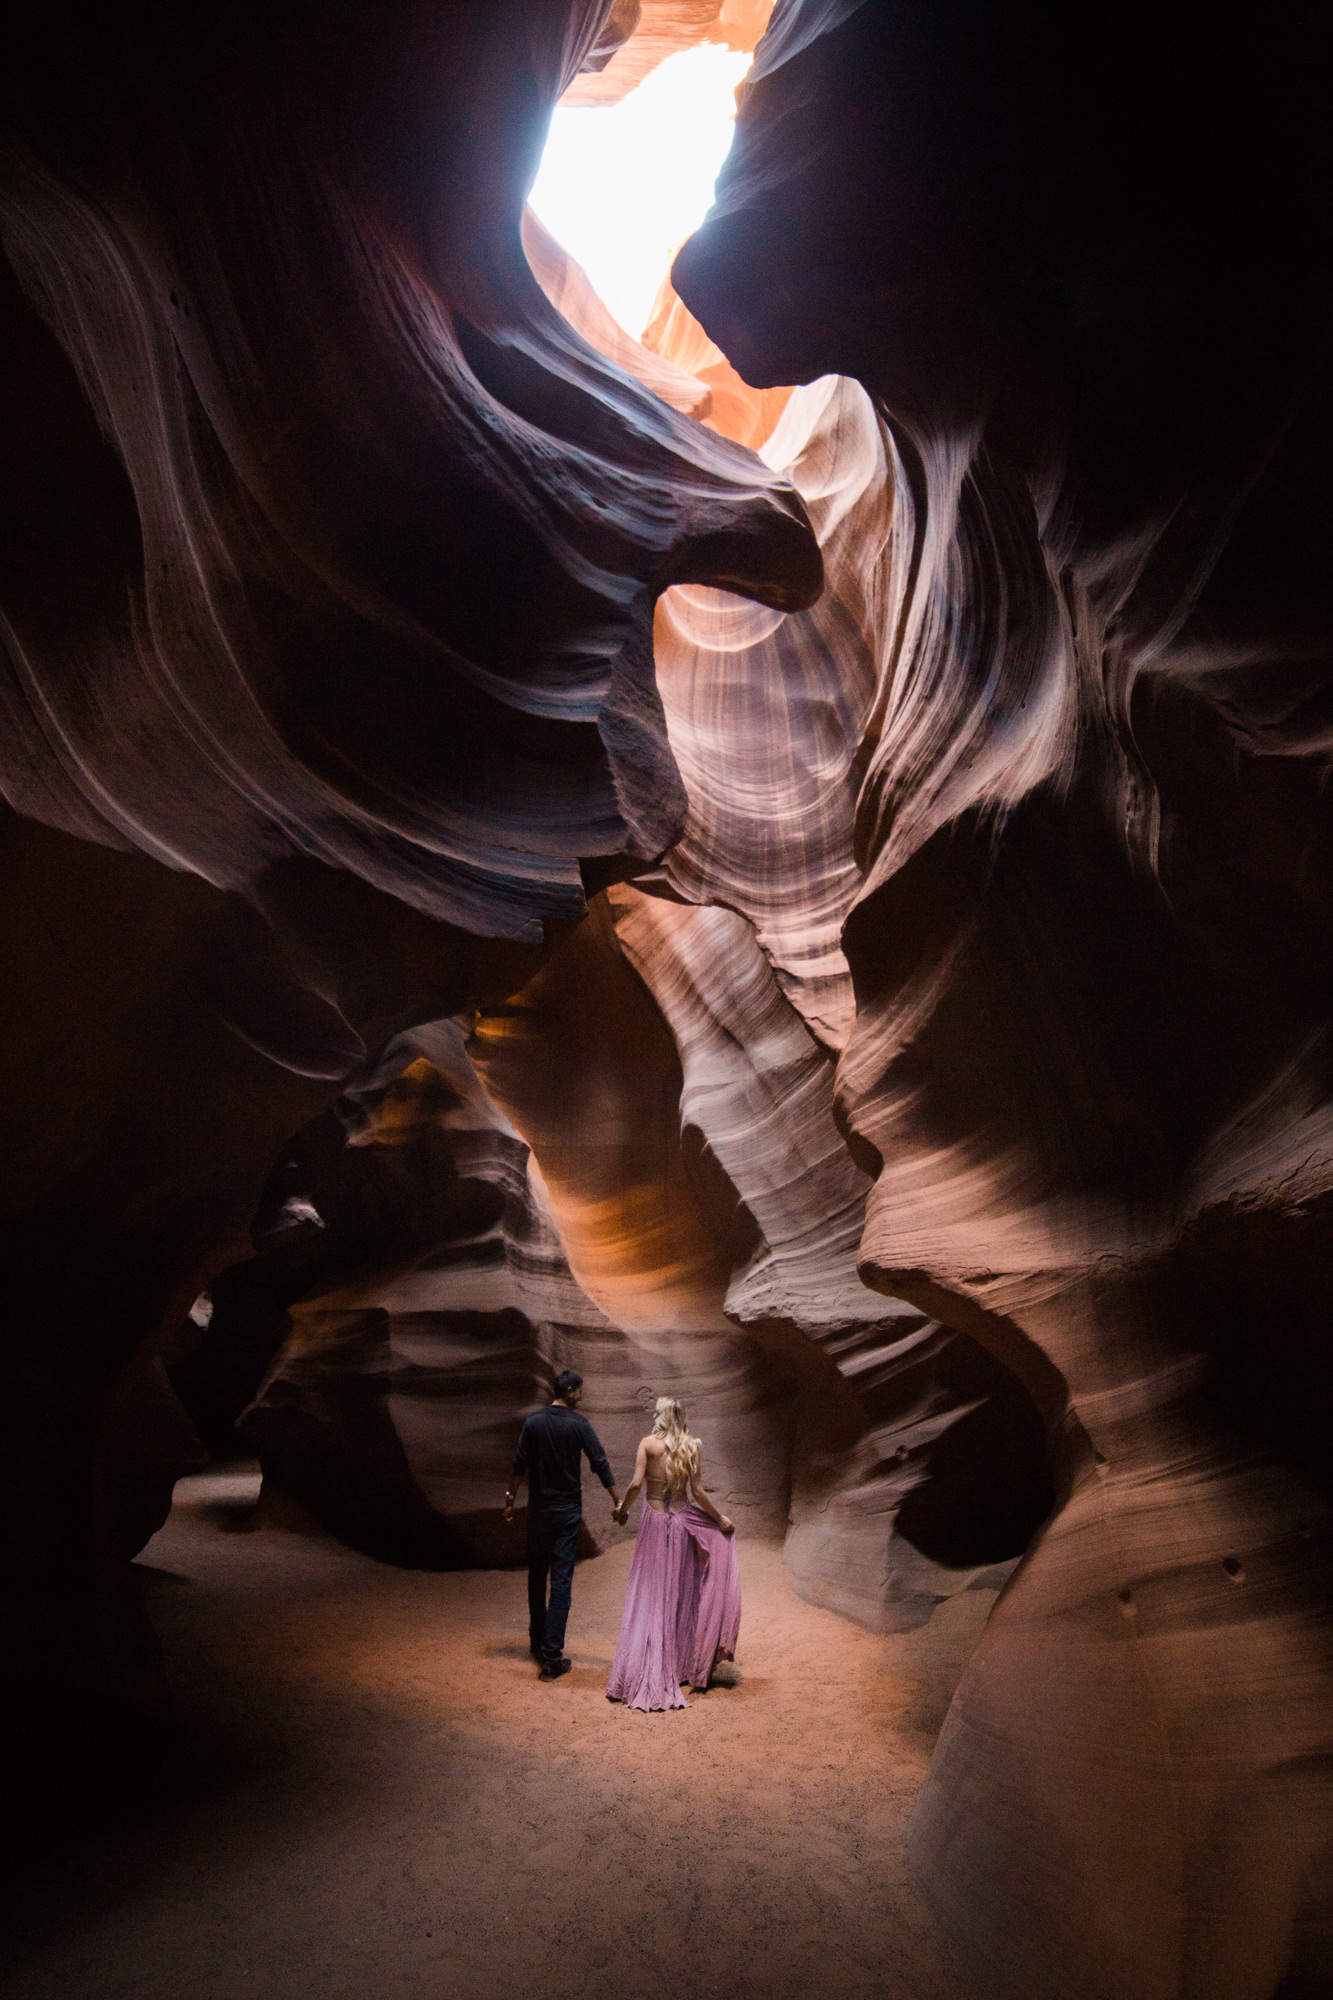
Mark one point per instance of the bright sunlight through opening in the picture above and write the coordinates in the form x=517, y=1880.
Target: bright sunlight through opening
x=621, y=186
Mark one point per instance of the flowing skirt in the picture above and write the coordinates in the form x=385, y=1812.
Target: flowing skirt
x=682, y=1608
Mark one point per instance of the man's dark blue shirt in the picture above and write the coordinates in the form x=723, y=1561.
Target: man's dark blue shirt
x=548, y=1451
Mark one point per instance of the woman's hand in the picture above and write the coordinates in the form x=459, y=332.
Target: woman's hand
x=620, y=1515
x=727, y=1527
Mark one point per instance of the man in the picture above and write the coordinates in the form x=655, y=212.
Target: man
x=548, y=1453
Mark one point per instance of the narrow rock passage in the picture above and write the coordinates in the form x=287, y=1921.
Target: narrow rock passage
x=376, y=1796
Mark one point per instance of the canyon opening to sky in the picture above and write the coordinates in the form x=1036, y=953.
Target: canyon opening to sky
x=622, y=185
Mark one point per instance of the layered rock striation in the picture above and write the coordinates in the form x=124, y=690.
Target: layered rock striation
x=680, y=1215
x=1081, y=266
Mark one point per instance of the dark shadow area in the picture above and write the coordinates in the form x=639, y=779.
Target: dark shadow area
x=82, y=1802
x=333, y=1447
x=988, y=1483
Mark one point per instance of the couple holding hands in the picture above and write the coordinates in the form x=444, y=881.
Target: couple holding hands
x=683, y=1599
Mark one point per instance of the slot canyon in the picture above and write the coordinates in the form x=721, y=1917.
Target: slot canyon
x=779, y=858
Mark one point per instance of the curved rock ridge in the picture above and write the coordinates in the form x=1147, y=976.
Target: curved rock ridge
x=734, y=409
x=584, y=1066
x=758, y=1089
x=918, y=1461
x=568, y=287
x=768, y=714
x=1088, y=1066
x=371, y=532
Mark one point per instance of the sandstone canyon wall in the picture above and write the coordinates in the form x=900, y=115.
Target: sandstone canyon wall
x=1088, y=1069
x=529, y=847
x=671, y=1069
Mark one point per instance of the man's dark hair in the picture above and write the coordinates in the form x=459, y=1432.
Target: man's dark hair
x=567, y=1379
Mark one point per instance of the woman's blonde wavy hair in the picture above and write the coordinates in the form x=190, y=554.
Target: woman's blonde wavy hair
x=681, y=1457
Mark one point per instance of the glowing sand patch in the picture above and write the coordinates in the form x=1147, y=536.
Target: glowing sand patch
x=621, y=186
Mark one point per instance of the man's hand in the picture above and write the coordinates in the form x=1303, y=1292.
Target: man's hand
x=620, y=1515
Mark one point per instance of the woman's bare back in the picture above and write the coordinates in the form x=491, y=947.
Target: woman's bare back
x=650, y=1475
x=655, y=1484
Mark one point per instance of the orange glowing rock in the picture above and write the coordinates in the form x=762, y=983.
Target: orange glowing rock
x=663, y=29
x=735, y=410
x=566, y=285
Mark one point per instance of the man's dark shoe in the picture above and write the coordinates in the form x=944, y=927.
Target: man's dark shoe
x=552, y=1669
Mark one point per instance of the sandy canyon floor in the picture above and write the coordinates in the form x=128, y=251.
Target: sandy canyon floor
x=373, y=1795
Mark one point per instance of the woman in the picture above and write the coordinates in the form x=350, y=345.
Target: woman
x=683, y=1603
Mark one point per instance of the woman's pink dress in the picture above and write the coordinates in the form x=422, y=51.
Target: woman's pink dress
x=682, y=1607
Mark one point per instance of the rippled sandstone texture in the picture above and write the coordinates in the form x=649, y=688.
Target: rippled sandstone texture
x=329, y=568
x=1080, y=260
x=659, y=1226
x=327, y=573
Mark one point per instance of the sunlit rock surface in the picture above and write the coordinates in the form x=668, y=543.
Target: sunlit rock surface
x=734, y=408
x=567, y=287
x=882, y=1523
x=1088, y=1066
x=656, y=29
x=774, y=842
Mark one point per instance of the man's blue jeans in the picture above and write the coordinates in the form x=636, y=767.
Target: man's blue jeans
x=553, y=1540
